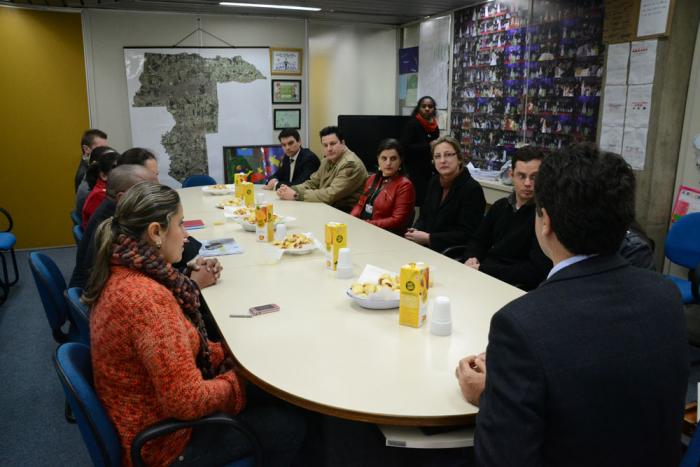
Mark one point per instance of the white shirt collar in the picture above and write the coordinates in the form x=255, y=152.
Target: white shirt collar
x=567, y=262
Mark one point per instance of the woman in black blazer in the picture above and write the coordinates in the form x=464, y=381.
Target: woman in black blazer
x=416, y=137
x=454, y=203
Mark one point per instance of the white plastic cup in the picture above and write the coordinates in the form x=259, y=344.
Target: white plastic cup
x=259, y=198
x=280, y=232
x=441, y=317
x=344, y=268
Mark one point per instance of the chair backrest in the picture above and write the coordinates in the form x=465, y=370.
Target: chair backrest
x=77, y=234
x=80, y=313
x=682, y=244
x=51, y=285
x=75, y=217
x=74, y=368
x=198, y=180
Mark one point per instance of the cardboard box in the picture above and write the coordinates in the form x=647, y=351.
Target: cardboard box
x=336, y=238
x=248, y=194
x=264, y=223
x=413, y=303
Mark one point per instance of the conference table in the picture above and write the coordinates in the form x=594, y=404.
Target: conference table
x=324, y=352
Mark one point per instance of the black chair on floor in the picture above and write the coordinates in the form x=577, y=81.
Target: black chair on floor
x=74, y=368
x=7, y=244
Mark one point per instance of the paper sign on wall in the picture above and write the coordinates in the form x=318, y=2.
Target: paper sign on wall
x=611, y=139
x=642, y=62
x=634, y=145
x=653, y=17
x=638, y=106
x=687, y=201
x=616, y=63
x=614, y=105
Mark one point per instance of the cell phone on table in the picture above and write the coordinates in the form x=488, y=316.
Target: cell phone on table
x=262, y=309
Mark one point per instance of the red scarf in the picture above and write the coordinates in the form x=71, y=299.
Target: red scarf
x=428, y=126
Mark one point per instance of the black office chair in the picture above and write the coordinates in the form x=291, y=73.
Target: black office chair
x=7, y=244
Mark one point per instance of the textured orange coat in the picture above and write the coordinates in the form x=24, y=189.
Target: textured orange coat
x=143, y=355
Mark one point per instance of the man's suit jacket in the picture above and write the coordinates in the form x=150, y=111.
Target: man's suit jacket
x=589, y=369
x=306, y=164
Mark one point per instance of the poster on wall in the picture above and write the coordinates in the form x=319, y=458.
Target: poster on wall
x=434, y=59
x=687, y=202
x=643, y=62
x=185, y=105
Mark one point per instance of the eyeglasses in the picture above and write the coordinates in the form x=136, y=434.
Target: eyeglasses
x=447, y=155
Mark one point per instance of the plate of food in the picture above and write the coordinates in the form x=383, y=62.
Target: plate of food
x=236, y=212
x=297, y=244
x=231, y=203
x=219, y=189
x=248, y=222
x=382, y=294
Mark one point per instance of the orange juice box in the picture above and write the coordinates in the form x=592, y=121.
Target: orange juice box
x=248, y=194
x=413, y=302
x=237, y=180
x=336, y=238
x=264, y=224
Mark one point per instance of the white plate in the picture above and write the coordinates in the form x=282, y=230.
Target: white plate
x=373, y=304
x=251, y=227
x=210, y=190
x=305, y=250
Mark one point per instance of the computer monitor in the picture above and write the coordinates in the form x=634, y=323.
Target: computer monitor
x=259, y=161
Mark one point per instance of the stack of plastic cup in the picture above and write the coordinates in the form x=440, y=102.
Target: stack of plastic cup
x=441, y=317
x=280, y=232
x=344, y=268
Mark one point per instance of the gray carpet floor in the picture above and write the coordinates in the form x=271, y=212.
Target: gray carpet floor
x=33, y=430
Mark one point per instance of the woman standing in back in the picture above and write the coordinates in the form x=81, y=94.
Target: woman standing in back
x=417, y=135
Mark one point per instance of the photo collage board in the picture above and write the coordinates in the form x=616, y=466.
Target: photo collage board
x=525, y=74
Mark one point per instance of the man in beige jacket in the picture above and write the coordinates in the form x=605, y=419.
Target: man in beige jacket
x=339, y=180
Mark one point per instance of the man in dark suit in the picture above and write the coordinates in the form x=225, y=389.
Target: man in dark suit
x=591, y=368
x=297, y=164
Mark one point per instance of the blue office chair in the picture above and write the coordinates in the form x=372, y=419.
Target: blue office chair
x=682, y=247
x=52, y=287
x=198, y=180
x=80, y=313
x=74, y=368
x=7, y=244
x=77, y=234
x=691, y=458
x=75, y=217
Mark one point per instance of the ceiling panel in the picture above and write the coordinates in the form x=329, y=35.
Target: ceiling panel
x=392, y=12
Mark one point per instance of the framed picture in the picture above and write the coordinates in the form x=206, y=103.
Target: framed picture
x=286, y=91
x=285, y=61
x=287, y=118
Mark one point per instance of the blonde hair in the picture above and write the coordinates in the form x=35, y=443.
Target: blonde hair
x=141, y=205
x=455, y=145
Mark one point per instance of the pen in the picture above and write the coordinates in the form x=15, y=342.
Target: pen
x=240, y=316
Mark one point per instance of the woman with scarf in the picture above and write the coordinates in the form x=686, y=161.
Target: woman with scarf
x=417, y=135
x=388, y=198
x=151, y=356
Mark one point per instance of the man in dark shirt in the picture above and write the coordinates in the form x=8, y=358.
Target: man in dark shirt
x=505, y=245
x=91, y=139
x=297, y=164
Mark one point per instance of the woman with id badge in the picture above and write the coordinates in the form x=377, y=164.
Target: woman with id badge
x=388, y=198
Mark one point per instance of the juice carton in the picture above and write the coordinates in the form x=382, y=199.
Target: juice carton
x=264, y=223
x=413, y=303
x=336, y=238
x=237, y=180
x=248, y=194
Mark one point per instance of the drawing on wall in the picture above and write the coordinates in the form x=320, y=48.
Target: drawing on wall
x=286, y=91
x=286, y=61
x=287, y=118
x=514, y=83
x=185, y=105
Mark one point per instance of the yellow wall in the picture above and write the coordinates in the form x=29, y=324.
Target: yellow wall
x=43, y=112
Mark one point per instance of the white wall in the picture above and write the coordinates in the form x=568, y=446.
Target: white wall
x=106, y=33
x=353, y=71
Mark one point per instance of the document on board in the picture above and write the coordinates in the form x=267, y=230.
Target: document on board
x=653, y=17
x=616, y=63
x=638, y=106
x=634, y=146
x=642, y=62
x=611, y=139
x=614, y=101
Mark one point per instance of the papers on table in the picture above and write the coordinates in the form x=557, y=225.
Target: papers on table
x=417, y=438
x=220, y=247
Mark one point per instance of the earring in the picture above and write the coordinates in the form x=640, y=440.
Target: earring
x=158, y=245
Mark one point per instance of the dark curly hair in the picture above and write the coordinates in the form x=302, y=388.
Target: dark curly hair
x=589, y=197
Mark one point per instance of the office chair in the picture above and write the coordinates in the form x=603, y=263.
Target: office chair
x=682, y=247
x=74, y=368
x=691, y=458
x=77, y=234
x=79, y=313
x=7, y=244
x=198, y=180
x=75, y=217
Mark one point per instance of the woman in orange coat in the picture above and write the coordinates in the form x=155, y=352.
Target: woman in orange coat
x=151, y=356
x=388, y=198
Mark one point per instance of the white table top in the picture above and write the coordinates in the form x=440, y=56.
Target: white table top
x=324, y=352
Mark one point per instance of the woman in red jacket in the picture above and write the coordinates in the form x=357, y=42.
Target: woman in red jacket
x=151, y=356
x=388, y=198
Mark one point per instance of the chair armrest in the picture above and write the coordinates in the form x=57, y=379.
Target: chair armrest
x=9, y=219
x=455, y=252
x=170, y=425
